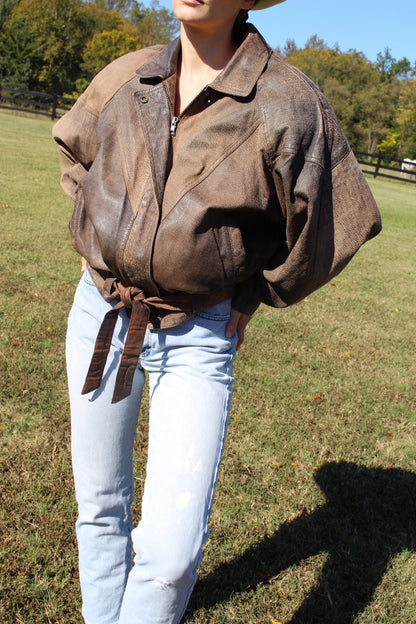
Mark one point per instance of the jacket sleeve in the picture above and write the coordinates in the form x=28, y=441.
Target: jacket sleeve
x=75, y=134
x=329, y=213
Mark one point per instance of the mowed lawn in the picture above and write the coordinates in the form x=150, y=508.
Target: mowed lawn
x=315, y=513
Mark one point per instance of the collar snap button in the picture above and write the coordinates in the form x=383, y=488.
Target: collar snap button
x=144, y=99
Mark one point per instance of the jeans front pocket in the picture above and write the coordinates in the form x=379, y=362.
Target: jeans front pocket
x=218, y=312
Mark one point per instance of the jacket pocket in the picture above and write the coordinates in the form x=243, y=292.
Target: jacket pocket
x=231, y=249
x=197, y=258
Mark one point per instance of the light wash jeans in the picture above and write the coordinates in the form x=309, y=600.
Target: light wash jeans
x=190, y=378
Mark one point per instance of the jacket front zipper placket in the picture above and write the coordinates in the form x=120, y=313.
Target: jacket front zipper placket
x=177, y=118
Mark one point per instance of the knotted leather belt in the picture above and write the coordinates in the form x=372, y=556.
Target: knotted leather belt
x=138, y=309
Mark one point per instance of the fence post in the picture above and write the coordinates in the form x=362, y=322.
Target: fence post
x=54, y=105
x=377, y=166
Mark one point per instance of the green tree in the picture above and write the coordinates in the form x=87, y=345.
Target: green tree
x=289, y=47
x=45, y=38
x=122, y=7
x=5, y=9
x=105, y=47
x=389, y=68
x=142, y=27
x=58, y=45
x=18, y=51
x=390, y=145
x=363, y=102
x=96, y=19
x=406, y=120
x=154, y=24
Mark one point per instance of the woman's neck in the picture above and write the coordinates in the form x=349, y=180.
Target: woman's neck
x=203, y=57
x=204, y=51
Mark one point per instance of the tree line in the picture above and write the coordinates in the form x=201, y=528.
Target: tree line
x=375, y=102
x=57, y=46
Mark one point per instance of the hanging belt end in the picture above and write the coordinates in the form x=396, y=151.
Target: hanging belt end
x=90, y=385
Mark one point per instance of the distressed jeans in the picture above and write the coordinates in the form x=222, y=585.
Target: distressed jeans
x=189, y=369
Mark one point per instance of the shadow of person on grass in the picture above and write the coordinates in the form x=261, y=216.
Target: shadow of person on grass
x=368, y=517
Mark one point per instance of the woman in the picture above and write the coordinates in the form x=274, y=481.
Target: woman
x=208, y=176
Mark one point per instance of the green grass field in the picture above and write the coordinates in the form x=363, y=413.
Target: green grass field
x=315, y=514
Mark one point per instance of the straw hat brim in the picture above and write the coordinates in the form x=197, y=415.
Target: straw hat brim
x=265, y=4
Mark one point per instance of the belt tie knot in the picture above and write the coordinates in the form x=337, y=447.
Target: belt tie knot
x=129, y=294
x=137, y=305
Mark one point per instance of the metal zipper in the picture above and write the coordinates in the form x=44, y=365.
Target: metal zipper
x=176, y=120
x=174, y=123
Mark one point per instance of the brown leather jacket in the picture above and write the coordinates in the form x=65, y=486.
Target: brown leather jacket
x=256, y=186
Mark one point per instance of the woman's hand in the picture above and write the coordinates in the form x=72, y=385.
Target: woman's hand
x=83, y=265
x=237, y=323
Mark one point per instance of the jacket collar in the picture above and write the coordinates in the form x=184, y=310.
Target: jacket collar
x=238, y=78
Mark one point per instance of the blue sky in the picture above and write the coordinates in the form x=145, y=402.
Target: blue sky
x=368, y=26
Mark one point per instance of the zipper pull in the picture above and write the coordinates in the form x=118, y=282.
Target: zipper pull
x=175, y=121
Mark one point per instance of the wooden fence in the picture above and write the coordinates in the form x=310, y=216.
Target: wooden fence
x=53, y=106
x=384, y=166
